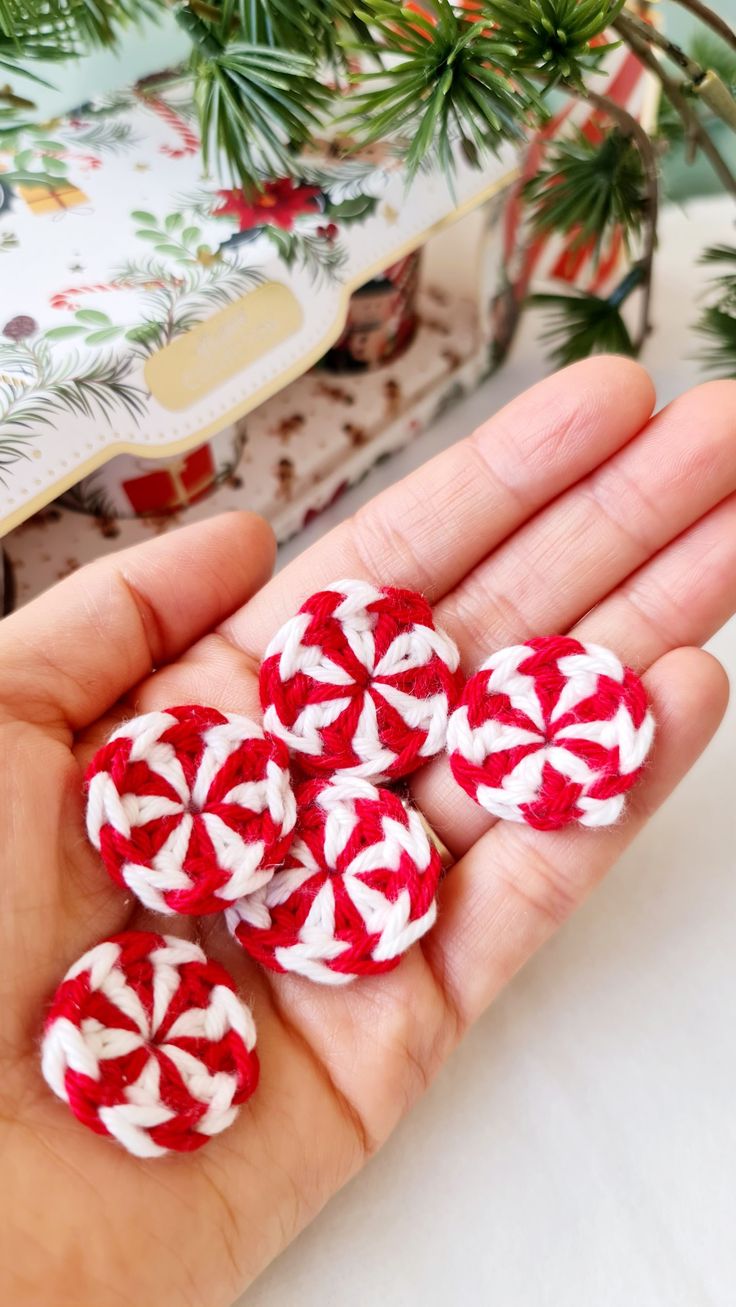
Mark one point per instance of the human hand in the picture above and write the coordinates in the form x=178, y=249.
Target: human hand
x=568, y=510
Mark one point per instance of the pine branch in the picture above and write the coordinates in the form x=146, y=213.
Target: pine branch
x=111, y=137
x=653, y=36
x=717, y=321
x=34, y=30
x=712, y=54
x=176, y=300
x=629, y=126
x=319, y=257
x=554, y=37
x=695, y=132
x=255, y=103
x=91, y=496
x=705, y=82
x=68, y=27
x=447, y=79
x=582, y=324
x=588, y=188
x=596, y=200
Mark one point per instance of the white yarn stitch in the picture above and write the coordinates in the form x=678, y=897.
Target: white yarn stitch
x=520, y=786
x=411, y=649
x=315, y=944
x=85, y=1048
x=242, y=859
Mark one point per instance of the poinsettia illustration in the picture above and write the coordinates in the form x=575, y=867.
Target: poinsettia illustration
x=277, y=205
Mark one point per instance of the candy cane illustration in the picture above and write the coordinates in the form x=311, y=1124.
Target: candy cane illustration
x=69, y=298
x=189, y=139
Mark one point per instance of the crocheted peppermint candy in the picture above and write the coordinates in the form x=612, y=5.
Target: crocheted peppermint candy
x=148, y=1042
x=550, y=732
x=190, y=808
x=360, y=681
x=356, y=891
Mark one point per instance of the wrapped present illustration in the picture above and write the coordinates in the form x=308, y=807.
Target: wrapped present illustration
x=132, y=486
x=50, y=199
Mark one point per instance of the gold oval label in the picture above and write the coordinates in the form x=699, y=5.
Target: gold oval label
x=214, y=351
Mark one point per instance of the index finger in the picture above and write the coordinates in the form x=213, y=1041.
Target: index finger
x=429, y=530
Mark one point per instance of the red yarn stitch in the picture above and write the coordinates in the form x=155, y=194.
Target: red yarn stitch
x=84, y=1008
x=311, y=918
x=139, y=859
x=611, y=731
x=312, y=664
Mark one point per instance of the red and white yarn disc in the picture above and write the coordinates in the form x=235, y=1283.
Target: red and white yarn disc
x=356, y=891
x=360, y=682
x=550, y=732
x=190, y=808
x=147, y=1041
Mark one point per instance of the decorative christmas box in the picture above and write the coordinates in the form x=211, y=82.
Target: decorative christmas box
x=168, y=346
x=147, y=306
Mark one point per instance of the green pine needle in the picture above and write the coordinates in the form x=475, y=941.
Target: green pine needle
x=717, y=322
x=554, y=36
x=64, y=28
x=719, y=254
x=718, y=326
x=57, y=30
x=36, y=385
x=313, y=27
x=254, y=105
x=589, y=189
x=443, y=80
x=582, y=324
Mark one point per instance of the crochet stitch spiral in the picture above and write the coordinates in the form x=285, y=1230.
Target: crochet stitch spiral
x=550, y=732
x=360, y=682
x=148, y=1042
x=190, y=808
x=358, y=887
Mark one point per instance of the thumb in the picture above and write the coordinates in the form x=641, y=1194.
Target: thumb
x=72, y=653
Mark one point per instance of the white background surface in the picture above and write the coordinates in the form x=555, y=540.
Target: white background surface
x=580, y=1149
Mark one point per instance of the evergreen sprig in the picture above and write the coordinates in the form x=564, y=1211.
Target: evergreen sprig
x=582, y=324
x=445, y=77
x=36, y=385
x=718, y=326
x=558, y=38
x=254, y=107
x=315, y=27
x=255, y=102
x=717, y=321
x=588, y=188
x=56, y=30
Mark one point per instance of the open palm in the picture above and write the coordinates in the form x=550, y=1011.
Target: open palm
x=568, y=510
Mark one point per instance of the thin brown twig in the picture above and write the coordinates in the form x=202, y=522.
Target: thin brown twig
x=711, y=19
x=694, y=129
x=652, y=35
x=629, y=126
x=704, y=81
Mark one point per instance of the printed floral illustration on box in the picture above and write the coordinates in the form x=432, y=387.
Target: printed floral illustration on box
x=115, y=244
x=287, y=460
